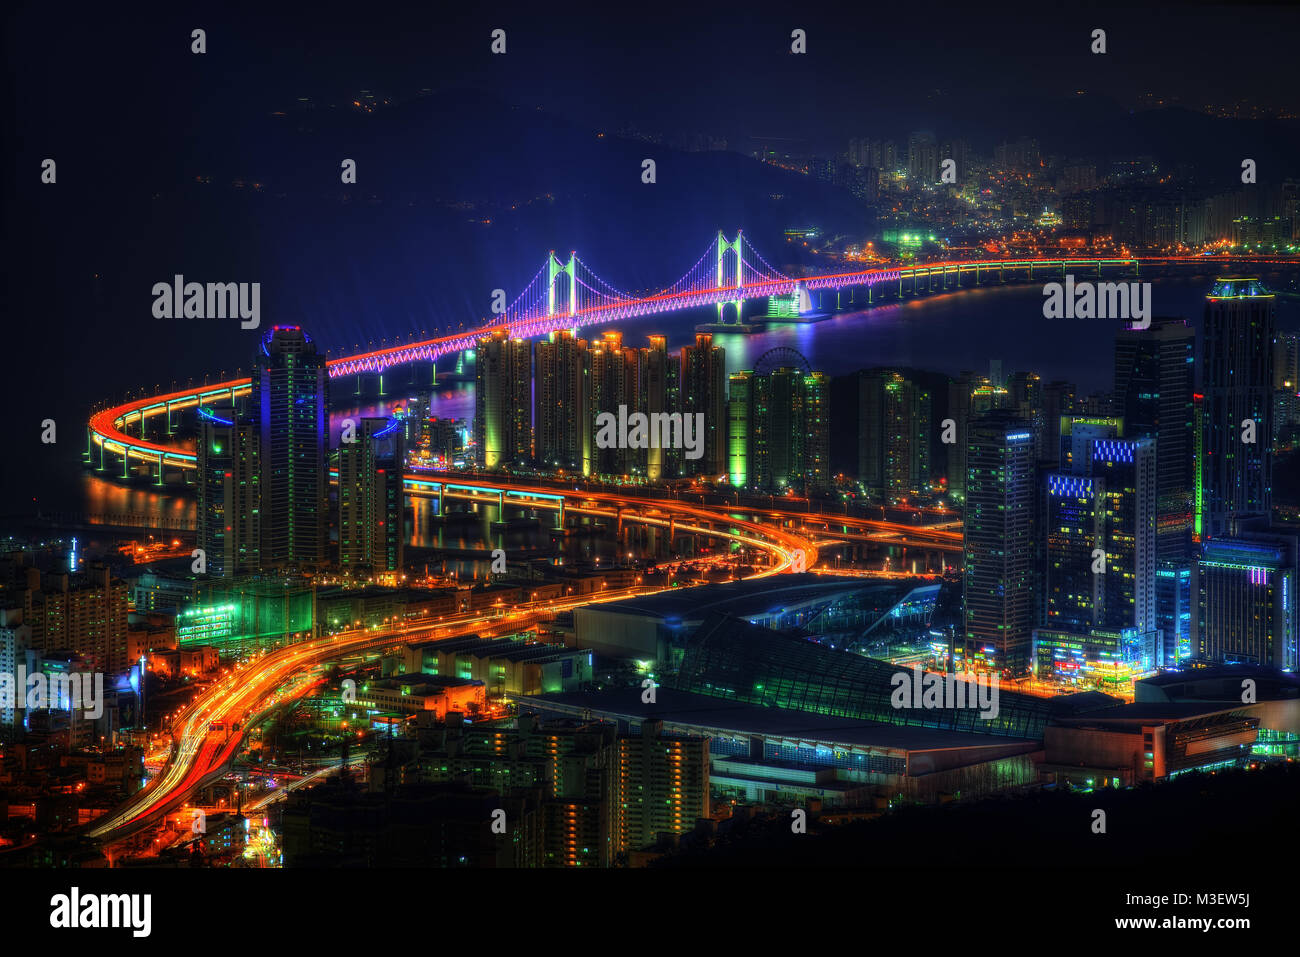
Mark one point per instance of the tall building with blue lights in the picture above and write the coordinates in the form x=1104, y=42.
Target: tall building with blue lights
x=1074, y=529
x=999, y=541
x=1101, y=540
x=290, y=404
x=1127, y=470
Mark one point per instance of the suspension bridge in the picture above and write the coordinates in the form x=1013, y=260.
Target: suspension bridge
x=568, y=294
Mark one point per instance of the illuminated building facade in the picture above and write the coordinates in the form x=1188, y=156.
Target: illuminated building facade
x=703, y=391
x=290, y=404
x=229, y=492
x=1100, y=534
x=999, y=540
x=614, y=382
x=1078, y=432
x=243, y=615
x=1237, y=378
x=660, y=392
x=738, y=428
x=1153, y=392
x=660, y=784
x=563, y=392
x=372, y=514
x=83, y=613
x=15, y=639
x=893, y=434
x=1245, y=602
x=778, y=428
x=1098, y=658
x=412, y=694
x=1127, y=470
x=1075, y=526
x=959, y=410
x=503, y=427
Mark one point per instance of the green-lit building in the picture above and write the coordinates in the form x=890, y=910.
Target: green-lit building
x=229, y=492
x=503, y=419
x=240, y=616
x=778, y=425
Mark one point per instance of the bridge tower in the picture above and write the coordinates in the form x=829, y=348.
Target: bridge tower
x=733, y=246
x=554, y=270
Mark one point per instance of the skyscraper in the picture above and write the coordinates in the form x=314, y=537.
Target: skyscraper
x=738, y=428
x=229, y=492
x=703, y=385
x=893, y=434
x=999, y=540
x=1058, y=400
x=1237, y=376
x=371, y=497
x=959, y=410
x=615, y=375
x=1153, y=393
x=1101, y=532
x=289, y=402
x=660, y=392
x=1074, y=529
x=503, y=426
x=1154, y=384
x=563, y=391
x=779, y=429
x=1127, y=467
